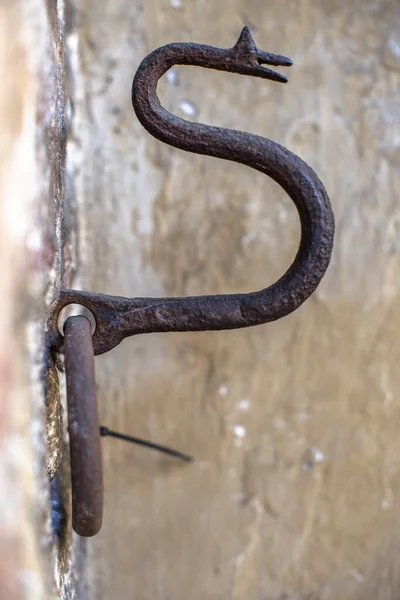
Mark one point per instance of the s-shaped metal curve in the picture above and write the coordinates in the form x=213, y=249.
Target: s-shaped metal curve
x=116, y=317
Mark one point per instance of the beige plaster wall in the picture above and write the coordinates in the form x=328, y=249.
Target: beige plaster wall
x=305, y=504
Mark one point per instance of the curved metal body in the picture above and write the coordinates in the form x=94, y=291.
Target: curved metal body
x=117, y=318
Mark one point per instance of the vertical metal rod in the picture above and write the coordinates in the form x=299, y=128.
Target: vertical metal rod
x=83, y=427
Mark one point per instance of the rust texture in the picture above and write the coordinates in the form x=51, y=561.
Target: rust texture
x=117, y=318
x=83, y=428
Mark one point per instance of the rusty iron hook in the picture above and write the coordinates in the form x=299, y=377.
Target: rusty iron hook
x=118, y=317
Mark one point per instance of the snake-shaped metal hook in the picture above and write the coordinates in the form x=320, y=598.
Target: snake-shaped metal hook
x=117, y=318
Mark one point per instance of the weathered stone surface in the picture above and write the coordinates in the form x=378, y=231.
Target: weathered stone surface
x=34, y=234
x=294, y=426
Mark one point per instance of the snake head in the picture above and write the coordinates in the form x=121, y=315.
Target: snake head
x=249, y=60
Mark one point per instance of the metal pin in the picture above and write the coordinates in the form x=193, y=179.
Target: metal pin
x=83, y=427
x=104, y=431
